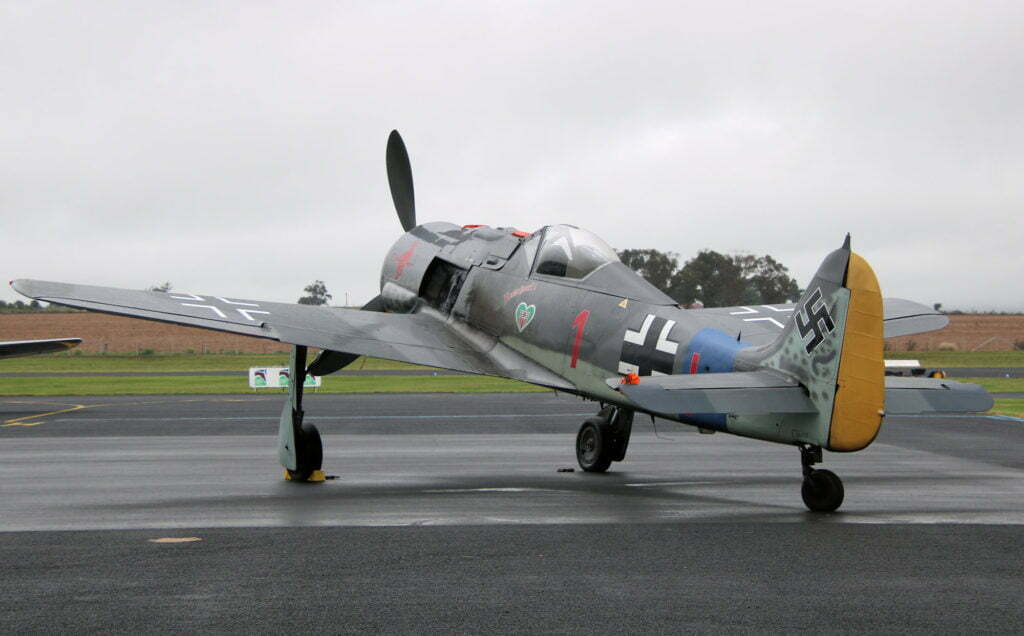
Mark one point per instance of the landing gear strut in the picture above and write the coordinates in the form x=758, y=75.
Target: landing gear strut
x=299, y=448
x=603, y=439
x=822, y=490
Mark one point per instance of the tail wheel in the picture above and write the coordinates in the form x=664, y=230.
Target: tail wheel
x=822, y=491
x=593, y=450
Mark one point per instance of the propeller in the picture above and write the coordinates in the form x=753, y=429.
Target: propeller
x=330, y=361
x=400, y=180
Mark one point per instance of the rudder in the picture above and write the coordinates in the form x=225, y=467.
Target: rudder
x=860, y=388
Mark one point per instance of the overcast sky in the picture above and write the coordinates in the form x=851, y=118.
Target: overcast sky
x=238, y=148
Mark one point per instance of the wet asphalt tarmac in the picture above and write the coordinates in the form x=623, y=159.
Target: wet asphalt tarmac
x=449, y=514
x=959, y=372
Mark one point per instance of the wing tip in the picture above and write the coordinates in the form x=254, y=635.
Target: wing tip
x=21, y=285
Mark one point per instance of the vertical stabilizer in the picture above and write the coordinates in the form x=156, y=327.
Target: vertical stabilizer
x=833, y=347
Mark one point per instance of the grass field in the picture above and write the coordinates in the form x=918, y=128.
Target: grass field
x=1013, y=408
x=94, y=363
x=217, y=385
x=997, y=385
x=206, y=385
x=85, y=364
x=1009, y=359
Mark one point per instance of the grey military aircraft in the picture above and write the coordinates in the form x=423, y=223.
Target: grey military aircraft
x=557, y=308
x=18, y=348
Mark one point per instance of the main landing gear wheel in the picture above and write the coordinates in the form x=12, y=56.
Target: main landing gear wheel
x=592, y=451
x=309, y=454
x=299, y=448
x=603, y=439
x=822, y=490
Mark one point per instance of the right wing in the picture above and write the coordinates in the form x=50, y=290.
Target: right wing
x=418, y=338
x=17, y=348
x=761, y=324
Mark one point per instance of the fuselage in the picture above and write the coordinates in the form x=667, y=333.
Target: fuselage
x=560, y=297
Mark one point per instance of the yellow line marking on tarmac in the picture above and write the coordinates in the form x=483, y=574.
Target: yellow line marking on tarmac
x=24, y=420
x=175, y=540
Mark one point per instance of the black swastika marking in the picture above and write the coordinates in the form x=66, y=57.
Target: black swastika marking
x=817, y=321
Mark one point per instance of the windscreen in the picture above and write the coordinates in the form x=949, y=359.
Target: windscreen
x=570, y=252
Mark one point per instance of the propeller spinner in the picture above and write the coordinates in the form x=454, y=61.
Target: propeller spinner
x=400, y=180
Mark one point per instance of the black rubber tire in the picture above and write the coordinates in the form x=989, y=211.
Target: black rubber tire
x=309, y=453
x=592, y=450
x=822, y=491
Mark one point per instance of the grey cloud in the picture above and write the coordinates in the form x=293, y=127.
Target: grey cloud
x=238, y=149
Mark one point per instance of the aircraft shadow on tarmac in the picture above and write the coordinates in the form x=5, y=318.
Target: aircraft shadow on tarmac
x=619, y=497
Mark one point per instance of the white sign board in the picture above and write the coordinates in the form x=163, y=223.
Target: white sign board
x=277, y=378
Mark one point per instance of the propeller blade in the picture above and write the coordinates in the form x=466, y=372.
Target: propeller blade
x=330, y=361
x=400, y=180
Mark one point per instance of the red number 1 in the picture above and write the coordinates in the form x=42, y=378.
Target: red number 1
x=580, y=322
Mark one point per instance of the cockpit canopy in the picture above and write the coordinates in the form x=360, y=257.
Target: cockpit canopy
x=569, y=252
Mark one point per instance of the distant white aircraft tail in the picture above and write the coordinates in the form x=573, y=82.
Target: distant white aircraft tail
x=17, y=348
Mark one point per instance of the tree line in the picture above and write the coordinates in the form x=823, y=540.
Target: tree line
x=32, y=307
x=316, y=292
x=713, y=279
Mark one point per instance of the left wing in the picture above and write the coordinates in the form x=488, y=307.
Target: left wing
x=419, y=338
x=16, y=348
x=761, y=324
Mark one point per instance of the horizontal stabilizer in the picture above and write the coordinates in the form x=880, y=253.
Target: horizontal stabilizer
x=905, y=317
x=761, y=324
x=748, y=392
x=908, y=396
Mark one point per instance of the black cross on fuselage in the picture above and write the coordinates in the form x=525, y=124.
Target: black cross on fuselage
x=647, y=356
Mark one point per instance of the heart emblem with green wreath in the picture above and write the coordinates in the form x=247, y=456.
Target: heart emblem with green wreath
x=524, y=315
